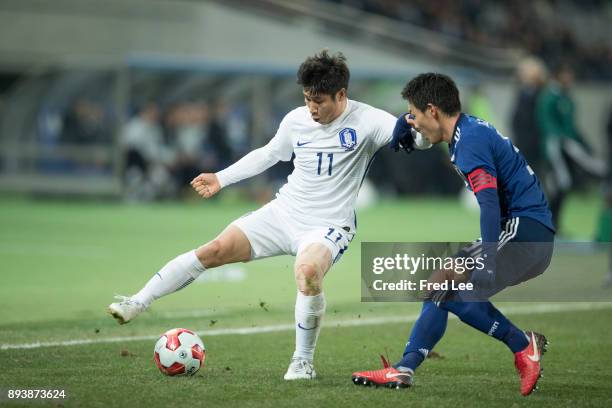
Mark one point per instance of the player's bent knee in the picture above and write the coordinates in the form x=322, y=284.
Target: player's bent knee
x=305, y=271
x=211, y=254
x=309, y=279
x=229, y=247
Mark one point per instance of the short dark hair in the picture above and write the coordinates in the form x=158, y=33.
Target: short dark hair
x=561, y=67
x=438, y=89
x=324, y=73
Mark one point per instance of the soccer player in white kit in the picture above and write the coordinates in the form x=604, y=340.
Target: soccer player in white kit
x=334, y=140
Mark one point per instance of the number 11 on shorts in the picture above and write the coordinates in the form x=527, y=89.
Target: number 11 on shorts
x=330, y=232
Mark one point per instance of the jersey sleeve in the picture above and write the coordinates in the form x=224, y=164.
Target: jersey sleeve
x=250, y=165
x=281, y=146
x=475, y=159
x=490, y=215
x=382, y=132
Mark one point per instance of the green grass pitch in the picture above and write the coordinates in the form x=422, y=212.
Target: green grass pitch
x=61, y=262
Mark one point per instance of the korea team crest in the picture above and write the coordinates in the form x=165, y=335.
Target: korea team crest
x=348, y=138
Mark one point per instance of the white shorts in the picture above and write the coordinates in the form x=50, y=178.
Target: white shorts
x=272, y=231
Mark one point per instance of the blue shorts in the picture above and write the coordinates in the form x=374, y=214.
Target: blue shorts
x=524, y=251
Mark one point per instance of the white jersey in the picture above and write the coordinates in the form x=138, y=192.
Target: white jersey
x=331, y=161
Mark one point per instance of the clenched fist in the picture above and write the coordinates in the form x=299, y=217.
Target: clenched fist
x=206, y=185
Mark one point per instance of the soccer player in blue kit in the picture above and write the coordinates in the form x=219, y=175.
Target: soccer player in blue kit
x=517, y=233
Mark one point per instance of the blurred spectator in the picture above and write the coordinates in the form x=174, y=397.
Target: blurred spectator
x=146, y=158
x=605, y=222
x=87, y=128
x=609, y=132
x=525, y=130
x=565, y=150
x=85, y=122
x=238, y=129
x=218, y=136
x=187, y=126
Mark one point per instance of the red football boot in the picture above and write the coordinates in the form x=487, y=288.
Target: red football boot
x=388, y=376
x=528, y=362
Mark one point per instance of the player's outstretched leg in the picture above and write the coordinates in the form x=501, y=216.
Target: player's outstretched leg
x=175, y=275
x=310, y=267
x=230, y=246
x=426, y=333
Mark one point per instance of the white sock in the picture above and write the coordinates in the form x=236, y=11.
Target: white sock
x=309, y=311
x=174, y=276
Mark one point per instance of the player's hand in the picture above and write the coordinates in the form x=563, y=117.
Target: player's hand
x=411, y=122
x=206, y=184
x=402, y=137
x=446, y=276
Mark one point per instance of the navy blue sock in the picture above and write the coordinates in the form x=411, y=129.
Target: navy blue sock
x=426, y=332
x=485, y=317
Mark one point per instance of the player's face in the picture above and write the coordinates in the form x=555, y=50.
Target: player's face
x=323, y=108
x=426, y=122
x=566, y=78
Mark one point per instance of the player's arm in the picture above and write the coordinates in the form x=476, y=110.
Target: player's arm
x=398, y=134
x=406, y=137
x=484, y=186
x=475, y=159
x=254, y=163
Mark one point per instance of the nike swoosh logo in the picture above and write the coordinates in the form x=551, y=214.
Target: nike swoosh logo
x=302, y=144
x=395, y=375
x=304, y=328
x=536, y=356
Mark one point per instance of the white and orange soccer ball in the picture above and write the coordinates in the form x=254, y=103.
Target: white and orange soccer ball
x=179, y=352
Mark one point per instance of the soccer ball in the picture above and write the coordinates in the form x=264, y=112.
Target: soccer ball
x=179, y=352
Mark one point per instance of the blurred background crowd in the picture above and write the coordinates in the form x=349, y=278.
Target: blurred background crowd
x=571, y=31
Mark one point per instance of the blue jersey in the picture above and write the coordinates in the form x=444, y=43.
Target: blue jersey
x=486, y=159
